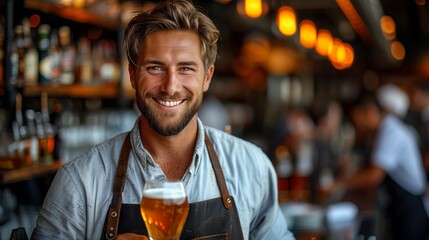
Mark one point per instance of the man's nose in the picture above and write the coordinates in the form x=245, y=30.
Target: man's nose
x=171, y=83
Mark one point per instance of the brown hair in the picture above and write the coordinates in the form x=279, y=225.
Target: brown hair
x=172, y=15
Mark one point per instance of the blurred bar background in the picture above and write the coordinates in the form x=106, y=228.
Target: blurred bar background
x=283, y=67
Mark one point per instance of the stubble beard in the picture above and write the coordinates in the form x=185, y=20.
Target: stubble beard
x=155, y=117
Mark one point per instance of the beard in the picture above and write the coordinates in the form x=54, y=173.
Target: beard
x=156, y=118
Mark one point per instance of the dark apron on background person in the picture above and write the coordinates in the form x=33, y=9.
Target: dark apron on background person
x=406, y=213
x=211, y=219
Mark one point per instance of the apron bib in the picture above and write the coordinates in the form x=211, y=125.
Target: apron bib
x=211, y=219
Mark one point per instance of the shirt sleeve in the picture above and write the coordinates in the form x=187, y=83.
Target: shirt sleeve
x=269, y=222
x=387, y=145
x=62, y=215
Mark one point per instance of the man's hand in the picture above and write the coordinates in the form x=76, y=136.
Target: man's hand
x=131, y=236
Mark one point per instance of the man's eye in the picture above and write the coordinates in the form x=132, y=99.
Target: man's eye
x=154, y=69
x=186, y=69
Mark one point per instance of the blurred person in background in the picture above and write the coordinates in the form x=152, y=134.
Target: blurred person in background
x=394, y=165
x=231, y=184
x=420, y=107
x=332, y=140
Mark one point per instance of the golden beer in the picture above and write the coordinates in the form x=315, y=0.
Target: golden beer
x=164, y=212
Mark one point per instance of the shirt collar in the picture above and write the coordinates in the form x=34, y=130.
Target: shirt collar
x=145, y=158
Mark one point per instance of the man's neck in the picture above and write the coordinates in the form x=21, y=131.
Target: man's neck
x=172, y=153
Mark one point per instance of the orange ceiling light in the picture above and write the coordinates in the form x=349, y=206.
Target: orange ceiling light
x=397, y=50
x=355, y=19
x=388, y=27
x=349, y=55
x=337, y=55
x=324, y=42
x=253, y=8
x=307, y=34
x=286, y=20
x=342, y=55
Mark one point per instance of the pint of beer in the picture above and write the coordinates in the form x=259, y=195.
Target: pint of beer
x=164, y=208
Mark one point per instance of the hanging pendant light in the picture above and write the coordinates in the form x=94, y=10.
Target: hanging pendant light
x=324, y=42
x=253, y=8
x=307, y=34
x=286, y=21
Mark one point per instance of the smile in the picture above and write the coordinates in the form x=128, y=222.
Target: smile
x=169, y=103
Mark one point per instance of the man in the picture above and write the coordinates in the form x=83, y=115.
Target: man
x=171, y=50
x=395, y=162
x=420, y=106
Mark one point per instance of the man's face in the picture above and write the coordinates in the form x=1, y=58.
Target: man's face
x=419, y=100
x=170, y=80
x=365, y=118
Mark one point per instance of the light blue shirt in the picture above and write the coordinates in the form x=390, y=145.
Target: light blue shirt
x=396, y=151
x=77, y=202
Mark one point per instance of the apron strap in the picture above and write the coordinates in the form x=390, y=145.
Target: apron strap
x=220, y=178
x=118, y=187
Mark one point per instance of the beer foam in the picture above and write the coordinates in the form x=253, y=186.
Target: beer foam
x=164, y=193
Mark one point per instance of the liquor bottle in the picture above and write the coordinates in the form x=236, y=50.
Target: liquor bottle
x=18, y=110
x=31, y=56
x=97, y=60
x=20, y=46
x=14, y=64
x=55, y=54
x=33, y=139
x=84, y=62
x=109, y=69
x=284, y=167
x=303, y=170
x=45, y=62
x=57, y=117
x=20, y=134
x=45, y=132
x=68, y=59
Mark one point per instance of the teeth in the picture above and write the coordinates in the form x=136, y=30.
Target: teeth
x=169, y=103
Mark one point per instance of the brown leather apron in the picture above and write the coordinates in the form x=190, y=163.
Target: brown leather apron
x=211, y=219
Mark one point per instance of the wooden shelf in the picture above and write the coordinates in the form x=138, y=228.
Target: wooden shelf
x=26, y=173
x=75, y=90
x=73, y=13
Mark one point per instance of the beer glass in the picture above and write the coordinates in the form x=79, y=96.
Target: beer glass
x=164, y=208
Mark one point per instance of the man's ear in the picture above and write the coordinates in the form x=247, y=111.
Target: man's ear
x=208, y=78
x=132, y=76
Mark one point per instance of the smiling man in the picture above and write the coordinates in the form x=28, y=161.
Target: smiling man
x=230, y=183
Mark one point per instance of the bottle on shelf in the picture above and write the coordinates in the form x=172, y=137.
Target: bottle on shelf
x=303, y=170
x=20, y=50
x=68, y=59
x=45, y=132
x=97, y=60
x=14, y=64
x=31, y=56
x=33, y=139
x=45, y=62
x=284, y=167
x=84, y=62
x=21, y=144
x=55, y=54
x=109, y=68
